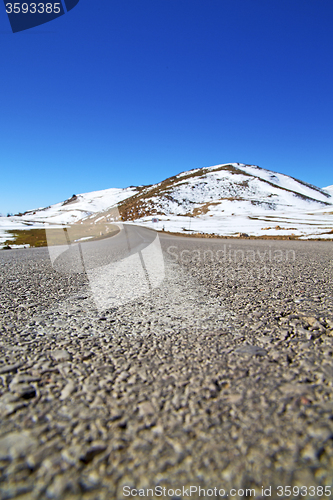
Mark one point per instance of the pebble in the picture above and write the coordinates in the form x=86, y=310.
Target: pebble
x=321, y=433
x=16, y=445
x=251, y=350
x=25, y=391
x=60, y=355
x=67, y=390
x=10, y=368
x=146, y=408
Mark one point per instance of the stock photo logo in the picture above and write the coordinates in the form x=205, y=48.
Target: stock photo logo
x=24, y=15
x=123, y=262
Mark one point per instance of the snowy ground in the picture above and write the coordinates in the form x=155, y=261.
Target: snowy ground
x=306, y=225
x=315, y=224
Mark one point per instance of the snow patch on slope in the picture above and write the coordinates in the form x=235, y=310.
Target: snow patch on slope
x=84, y=205
x=65, y=213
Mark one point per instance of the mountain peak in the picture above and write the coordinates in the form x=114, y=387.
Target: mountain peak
x=224, y=199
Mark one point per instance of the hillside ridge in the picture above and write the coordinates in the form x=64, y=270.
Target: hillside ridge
x=225, y=199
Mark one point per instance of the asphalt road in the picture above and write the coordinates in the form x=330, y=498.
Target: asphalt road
x=167, y=362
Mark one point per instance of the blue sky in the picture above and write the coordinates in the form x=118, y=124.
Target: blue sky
x=129, y=92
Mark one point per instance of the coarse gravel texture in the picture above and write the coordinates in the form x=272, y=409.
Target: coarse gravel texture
x=221, y=377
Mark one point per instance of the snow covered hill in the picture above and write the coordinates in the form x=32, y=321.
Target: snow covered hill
x=224, y=188
x=228, y=199
x=231, y=199
x=76, y=208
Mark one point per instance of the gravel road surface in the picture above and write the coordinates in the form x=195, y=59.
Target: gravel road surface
x=202, y=363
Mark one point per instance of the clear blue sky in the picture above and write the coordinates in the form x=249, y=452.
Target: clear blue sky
x=120, y=92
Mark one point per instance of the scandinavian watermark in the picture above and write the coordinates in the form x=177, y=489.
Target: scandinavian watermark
x=234, y=264
x=227, y=254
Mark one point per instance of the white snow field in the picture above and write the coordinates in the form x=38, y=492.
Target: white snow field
x=225, y=200
x=329, y=190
